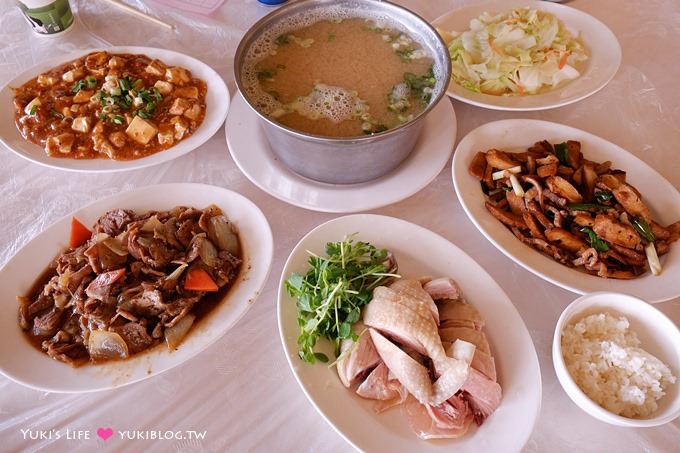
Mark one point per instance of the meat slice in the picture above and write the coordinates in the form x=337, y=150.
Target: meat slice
x=474, y=336
x=442, y=288
x=616, y=232
x=457, y=313
x=483, y=395
x=449, y=420
x=381, y=385
x=113, y=222
x=356, y=364
x=135, y=336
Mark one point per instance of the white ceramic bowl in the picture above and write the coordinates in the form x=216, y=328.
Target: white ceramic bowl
x=658, y=335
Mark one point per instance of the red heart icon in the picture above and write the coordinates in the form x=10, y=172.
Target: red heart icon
x=105, y=433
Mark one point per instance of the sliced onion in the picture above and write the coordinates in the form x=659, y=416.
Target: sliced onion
x=175, y=334
x=115, y=245
x=105, y=345
x=207, y=251
x=177, y=272
x=222, y=232
x=151, y=224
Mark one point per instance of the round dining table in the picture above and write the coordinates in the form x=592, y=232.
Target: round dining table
x=239, y=394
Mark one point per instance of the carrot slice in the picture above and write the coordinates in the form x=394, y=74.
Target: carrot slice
x=199, y=280
x=79, y=233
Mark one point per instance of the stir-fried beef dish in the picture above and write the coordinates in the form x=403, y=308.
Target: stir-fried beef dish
x=583, y=214
x=112, y=106
x=135, y=281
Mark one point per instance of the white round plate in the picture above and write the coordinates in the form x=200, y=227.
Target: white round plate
x=25, y=364
x=251, y=152
x=419, y=252
x=217, y=105
x=601, y=44
x=517, y=135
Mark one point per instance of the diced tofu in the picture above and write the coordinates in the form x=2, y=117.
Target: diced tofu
x=181, y=126
x=179, y=106
x=98, y=128
x=81, y=124
x=96, y=59
x=187, y=92
x=73, y=75
x=32, y=106
x=83, y=96
x=166, y=134
x=102, y=145
x=116, y=62
x=118, y=139
x=61, y=143
x=156, y=67
x=177, y=75
x=163, y=87
x=141, y=130
x=45, y=80
x=193, y=112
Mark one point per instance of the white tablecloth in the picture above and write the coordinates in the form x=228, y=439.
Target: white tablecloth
x=240, y=391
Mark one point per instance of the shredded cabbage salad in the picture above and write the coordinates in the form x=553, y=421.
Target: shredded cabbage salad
x=517, y=53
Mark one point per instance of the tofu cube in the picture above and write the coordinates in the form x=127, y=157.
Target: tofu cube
x=83, y=96
x=156, y=68
x=193, y=112
x=177, y=75
x=45, y=80
x=61, y=143
x=181, y=126
x=141, y=130
x=179, y=106
x=81, y=124
x=163, y=87
x=116, y=62
x=73, y=75
x=187, y=92
x=166, y=134
x=117, y=139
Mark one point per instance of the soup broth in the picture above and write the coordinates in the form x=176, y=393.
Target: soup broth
x=340, y=77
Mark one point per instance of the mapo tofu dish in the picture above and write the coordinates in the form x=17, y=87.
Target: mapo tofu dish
x=132, y=282
x=581, y=213
x=112, y=106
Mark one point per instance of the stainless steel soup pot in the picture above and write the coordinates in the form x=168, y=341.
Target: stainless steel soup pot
x=347, y=160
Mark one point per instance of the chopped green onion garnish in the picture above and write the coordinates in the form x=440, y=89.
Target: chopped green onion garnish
x=643, y=229
x=597, y=243
x=586, y=206
x=604, y=196
x=561, y=152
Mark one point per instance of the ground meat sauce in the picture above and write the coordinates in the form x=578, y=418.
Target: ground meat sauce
x=111, y=106
x=140, y=280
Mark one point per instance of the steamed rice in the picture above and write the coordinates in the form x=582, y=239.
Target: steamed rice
x=604, y=357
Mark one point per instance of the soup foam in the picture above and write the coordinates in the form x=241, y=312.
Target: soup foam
x=335, y=103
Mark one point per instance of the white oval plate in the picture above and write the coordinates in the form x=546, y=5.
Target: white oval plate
x=251, y=152
x=418, y=252
x=517, y=135
x=25, y=364
x=603, y=49
x=217, y=106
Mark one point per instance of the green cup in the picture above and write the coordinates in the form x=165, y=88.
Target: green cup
x=47, y=17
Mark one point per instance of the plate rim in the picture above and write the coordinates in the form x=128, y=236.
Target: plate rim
x=470, y=197
x=557, y=9
x=258, y=260
x=529, y=349
x=218, y=100
x=315, y=195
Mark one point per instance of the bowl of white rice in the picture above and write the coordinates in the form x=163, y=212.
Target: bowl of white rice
x=618, y=358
